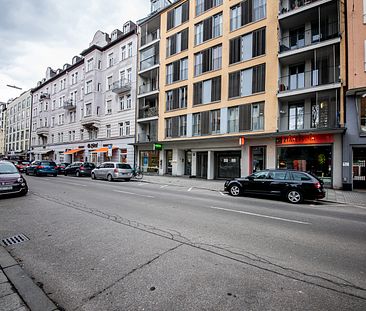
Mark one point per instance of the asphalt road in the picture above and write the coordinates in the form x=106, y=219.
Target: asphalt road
x=95, y=245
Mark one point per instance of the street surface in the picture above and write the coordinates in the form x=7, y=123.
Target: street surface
x=95, y=245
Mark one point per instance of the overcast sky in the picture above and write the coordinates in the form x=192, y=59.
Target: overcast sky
x=36, y=34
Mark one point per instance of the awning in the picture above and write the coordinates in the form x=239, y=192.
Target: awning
x=105, y=149
x=72, y=151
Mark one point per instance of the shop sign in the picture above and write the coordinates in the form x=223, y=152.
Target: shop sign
x=241, y=141
x=158, y=147
x=305, y=139
x=93, y=145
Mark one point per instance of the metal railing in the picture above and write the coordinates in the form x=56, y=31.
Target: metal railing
x=291, y=5
x=69, y=104
x=307, y=38
x=307, y=79
x=148, y=112
x=145, y=138
x=120, y=86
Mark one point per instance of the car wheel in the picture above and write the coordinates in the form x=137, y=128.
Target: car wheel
x=36, y=173
x=77, y=174
x=26, y=173
x=294, y=196
x=55, y=175
x=93, y=176
x=235, y=190
x=109, y=177
x=24, y=192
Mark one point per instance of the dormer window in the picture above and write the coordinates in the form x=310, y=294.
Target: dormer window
x=126, y=28
x=114, y=35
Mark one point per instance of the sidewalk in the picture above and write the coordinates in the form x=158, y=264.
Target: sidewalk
x=17, y=291
x=357, y=198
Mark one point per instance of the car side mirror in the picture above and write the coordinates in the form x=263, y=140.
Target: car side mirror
x=250, y=177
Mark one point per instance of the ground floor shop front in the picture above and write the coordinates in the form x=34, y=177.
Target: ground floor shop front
x=96, y=152
x=238, y=157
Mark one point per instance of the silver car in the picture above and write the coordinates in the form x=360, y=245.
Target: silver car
x=112, y=171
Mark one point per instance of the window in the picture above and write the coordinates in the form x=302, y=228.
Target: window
x=88, y=109
x=128, y=102
x=257, y=116
x=109, y=83
x=205, y=5
x=108, y=130
x=69, y=135
x=207, y=91
x=246, y=12
x=123, y=52
x=110, y=60
x=178, y=15
x=81, y=134
x=89, y=87
x=296, y=117
x=89, y=64
x=55, y=88
x=248, y=46
x=176, y=126
x=129, y=46
x=127, y=125
x=53, y=105
x=120, y=126
x=61, y=119
x=177, y=42
x=177, y=71
x=208, y=29
x=176, y=99
x=300, y=176
x=196, y=123
x=246, y=82
x=108, y=107
x=297, y=77
x=129, y=74
x=363, y=114
x=208, y=60
x=240, y=118
x=122, y=103
x=214, y=121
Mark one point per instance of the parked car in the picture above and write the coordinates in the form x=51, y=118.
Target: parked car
x=61, y=167
x=22, y=166
x=112, y=171
x=294, y=186
x=79, y=169
x=42, y=167
x=11, y=180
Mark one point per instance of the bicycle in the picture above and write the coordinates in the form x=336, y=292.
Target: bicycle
x=137, y=173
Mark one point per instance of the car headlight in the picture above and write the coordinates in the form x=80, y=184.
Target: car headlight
x=20, y=179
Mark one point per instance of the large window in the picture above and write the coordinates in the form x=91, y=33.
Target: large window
x=205, y=5
x=296, y=117
x=246, y=117
x=206, y=123
x=208, y=60
x=248, y=81
x=248, y=46
x=176, y=126
x=176, y=99
x=246, y=12
x=178, y=15
x=208, y=29
x=177, y=42
x=177, y=71
x=207, y=91
x=363, y=114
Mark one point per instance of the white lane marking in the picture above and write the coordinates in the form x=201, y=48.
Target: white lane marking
x=72, y=183
x=164, y=186
x=190, y=189
x=133, y=193
x=46, y=178
x=222, y=193
x=260, y=215
x=141, y=183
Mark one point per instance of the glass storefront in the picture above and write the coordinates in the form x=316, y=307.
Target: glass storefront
x=149, y=161
x=258, y=156
x=228, y=164
x=316, y=159
x=359, y=168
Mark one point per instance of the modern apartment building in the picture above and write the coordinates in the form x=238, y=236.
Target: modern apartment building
x=2, y=128
x=248, y=85
x=86, y=110
x=18, y=127
x=354, y=143
x=147, y=111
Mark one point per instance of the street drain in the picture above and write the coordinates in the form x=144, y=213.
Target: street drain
x=19, y=238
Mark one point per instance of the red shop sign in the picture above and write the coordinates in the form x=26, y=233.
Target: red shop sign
x=305, y=139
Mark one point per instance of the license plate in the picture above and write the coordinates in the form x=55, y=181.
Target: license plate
x=3, y=188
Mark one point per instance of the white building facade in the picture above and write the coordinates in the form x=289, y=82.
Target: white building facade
x=2, y=129
x=86, y=111
x=18, y=127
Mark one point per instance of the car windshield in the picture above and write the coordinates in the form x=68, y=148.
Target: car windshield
x=123, y=166
x=25, y=163
x=48, y=163
x=89, y=165
x=7, y=168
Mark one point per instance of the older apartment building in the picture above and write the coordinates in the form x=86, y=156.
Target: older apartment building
x=88, y=107
x=354, y=143
x=248, y=85
x=18, y=127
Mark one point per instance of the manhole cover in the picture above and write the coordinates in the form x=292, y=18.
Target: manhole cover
x=19, y=238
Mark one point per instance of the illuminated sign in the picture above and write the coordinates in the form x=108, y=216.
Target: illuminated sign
x=305, y=139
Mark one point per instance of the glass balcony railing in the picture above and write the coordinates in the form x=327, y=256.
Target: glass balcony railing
x=150, y=37
x=291, y=5
x=148, y=87
x=149, y=62
x=147, y=137
x=308, y=79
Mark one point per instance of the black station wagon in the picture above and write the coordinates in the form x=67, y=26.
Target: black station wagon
x=294, y=186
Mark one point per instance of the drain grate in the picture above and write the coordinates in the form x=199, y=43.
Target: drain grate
x=19, y=238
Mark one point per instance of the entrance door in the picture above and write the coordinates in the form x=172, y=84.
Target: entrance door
x=359, y=168
x=169, y=159
x=228, y=164
x=188, y=163
x=202, y=161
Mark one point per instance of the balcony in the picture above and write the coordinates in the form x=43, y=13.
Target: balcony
x=90, y=121
x=44, y=96
x=69, y=104
x=308, y=80
x=148, y=112
x=150, y=37
x=121, y=86
x=42, y=131
x=147, y=137
x=149, y=62
x=289, y=7
x=148, y=87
